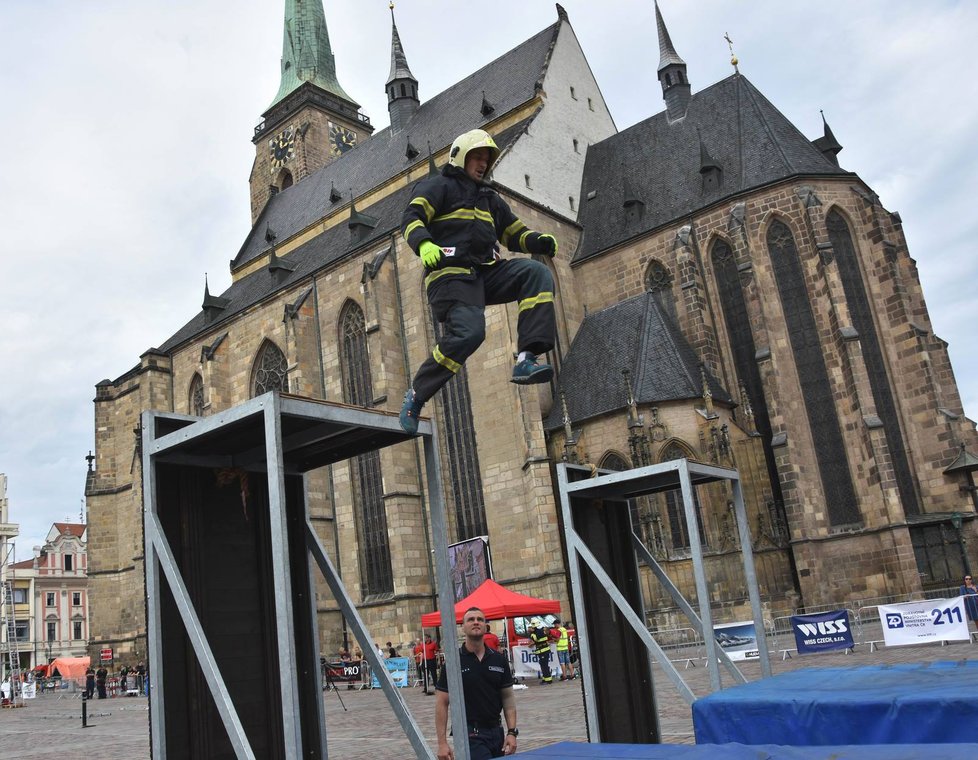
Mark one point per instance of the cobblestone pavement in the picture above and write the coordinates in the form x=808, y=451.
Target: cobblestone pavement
x=50, y=726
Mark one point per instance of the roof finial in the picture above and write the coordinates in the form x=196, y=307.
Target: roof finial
x=733, y=58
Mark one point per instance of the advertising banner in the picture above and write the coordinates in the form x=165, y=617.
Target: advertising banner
x=398, y=668
x=738, y=640
x=924, y=622
x=822, y=632
x=526, y=665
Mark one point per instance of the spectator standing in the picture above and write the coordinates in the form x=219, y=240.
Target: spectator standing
x=970, y=593
x=430, y=648
x=563, y=651
x=100, y=675
x=89, y=683
x=491, y=640
x=487, y=687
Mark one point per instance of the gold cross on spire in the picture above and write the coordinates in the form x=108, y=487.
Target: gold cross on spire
x=733, y=58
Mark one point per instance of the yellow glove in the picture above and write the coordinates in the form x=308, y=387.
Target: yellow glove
x=430, y=254
x=548, y=245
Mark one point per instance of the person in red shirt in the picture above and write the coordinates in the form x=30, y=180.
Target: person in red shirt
x=490, y=639
x=430, y=650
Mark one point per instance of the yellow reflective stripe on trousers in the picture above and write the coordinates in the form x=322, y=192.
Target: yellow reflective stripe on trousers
x=466, y=213
x=544, y=297
x=511, y=230
x=449, y=364
x=442, y=272
x=429, y=210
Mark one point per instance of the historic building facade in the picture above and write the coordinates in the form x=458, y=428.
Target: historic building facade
x=52, y=619
x=725, y=292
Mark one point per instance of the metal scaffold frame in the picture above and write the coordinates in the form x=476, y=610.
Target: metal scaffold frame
x=8, y=621
x=299, y=435
x=576, y=482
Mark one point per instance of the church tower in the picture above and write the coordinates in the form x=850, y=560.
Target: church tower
x=311, y=120
x=672, y=73
x=402, y=87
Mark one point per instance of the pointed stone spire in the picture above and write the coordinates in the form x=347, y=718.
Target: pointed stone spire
x=212, y=304
x=402, y=87
x=667, y=53
x=827, y=143
x=306, y=52
x=672, y=73
x=707, y=162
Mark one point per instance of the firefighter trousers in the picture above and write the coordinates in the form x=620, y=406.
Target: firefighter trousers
x=460, y=304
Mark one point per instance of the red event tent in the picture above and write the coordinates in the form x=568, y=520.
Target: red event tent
x=497, y=603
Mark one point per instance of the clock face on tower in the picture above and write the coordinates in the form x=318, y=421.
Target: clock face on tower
x=281, y=148
x=341, y=139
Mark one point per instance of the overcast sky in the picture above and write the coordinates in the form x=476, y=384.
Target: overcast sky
x=127, y=130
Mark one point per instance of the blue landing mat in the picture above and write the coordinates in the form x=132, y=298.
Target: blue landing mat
x=572, y=751
x=934, y=703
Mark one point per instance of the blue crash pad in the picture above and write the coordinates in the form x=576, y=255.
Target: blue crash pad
x=933, y=703
x=572, y=751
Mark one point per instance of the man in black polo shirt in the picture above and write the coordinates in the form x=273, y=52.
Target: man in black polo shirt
x=487, y=685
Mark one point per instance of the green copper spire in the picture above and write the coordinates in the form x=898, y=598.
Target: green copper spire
x=306, y=53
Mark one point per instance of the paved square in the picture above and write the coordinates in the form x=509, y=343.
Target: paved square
x=49, y=727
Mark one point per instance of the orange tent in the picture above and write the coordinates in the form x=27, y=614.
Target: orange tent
x=70, y=668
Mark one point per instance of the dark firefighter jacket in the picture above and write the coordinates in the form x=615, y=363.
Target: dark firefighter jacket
x=541, y=642
x=467, y=218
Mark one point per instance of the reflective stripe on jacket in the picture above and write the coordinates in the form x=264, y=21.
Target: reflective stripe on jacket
x=466, y=219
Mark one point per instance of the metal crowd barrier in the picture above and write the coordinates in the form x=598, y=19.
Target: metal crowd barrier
x=685, y=645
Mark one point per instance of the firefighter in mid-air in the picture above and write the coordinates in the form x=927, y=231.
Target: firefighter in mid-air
x=454, y=222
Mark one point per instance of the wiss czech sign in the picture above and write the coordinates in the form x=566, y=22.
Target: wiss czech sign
x=822, y=632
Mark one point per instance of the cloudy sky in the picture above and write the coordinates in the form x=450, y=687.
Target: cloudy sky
x=127, y=127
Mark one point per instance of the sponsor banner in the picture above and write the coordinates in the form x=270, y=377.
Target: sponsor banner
x=526, y=664
x=738, y=640
x=822, y=632
x=29, y=690
x=398, y=668
x=924, y=622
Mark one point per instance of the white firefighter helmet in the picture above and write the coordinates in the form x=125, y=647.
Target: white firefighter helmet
x=475, y=138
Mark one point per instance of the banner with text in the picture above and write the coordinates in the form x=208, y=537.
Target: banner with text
x=398, y=668
x=924, y=622
x=526, y=664
x=738, y=640
x=822, y=632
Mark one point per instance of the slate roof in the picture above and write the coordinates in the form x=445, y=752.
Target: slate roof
x=747, y=136
x=636, y=335
x=509, y=81
x=320, y=252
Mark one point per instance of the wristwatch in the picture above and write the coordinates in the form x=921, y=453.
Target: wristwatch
x=513, y=732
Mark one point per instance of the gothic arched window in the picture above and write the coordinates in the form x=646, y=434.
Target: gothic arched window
x=675, y=509
x=613, y=461
x=370, y=514
x=355, y=367
x=658, y=282
x=271, y=370
x=862, y=319
x=462, y=454
x=813, y=377
x=737, y=321
x=196, y=396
